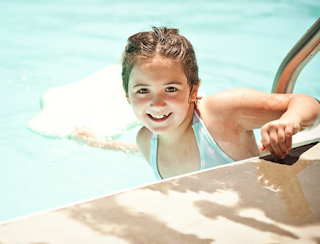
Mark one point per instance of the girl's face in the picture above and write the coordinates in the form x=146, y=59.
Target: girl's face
x=158, y=91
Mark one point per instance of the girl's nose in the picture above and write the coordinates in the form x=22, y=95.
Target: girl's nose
x=158, y=101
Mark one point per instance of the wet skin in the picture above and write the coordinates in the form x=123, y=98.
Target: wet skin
x=160, y=97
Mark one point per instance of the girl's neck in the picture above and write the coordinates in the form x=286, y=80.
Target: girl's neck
x=181, y=131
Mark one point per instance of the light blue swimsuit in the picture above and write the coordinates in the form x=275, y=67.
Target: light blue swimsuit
x=211, y=154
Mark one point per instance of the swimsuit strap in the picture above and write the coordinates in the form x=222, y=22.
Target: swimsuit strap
x=195, y=118
x=211, y=155
x=154, y=156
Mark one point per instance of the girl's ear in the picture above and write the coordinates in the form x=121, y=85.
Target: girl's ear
x=194, y=92
x=128, y=99
x=127, y=96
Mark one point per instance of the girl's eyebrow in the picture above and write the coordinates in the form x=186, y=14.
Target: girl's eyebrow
x=174, y=83
x=167, y=84
x=138, y=85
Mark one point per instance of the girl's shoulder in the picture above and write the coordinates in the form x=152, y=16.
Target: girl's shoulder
x=224, y=107
x=217, y=102
x=226, y=95
x=143, y=141
x=231, y=99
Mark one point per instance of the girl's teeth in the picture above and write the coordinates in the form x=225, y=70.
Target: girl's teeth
x=159, y=116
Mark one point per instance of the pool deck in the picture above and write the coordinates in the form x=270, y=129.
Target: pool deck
x=259, y=200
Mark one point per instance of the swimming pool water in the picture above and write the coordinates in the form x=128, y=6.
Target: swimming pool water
x=50, y=43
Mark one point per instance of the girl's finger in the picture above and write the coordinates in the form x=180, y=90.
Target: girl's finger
x=274, y=141
x=282, y=141
x=267, y=132
x=289, y=134
x=75, y=130
x=261, y=146
x=265, y=139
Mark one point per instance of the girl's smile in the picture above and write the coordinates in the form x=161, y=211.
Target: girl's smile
x=160, y=94
x=159, y=118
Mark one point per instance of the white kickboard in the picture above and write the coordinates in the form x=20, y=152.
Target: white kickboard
x=305, y=137
x=97, y=101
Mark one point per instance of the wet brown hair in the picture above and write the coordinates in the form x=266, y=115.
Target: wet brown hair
x=160, y=42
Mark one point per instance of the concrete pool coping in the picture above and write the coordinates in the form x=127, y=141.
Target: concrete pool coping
x=259, y=200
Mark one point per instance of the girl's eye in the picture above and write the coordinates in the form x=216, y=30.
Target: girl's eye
x=143, y=90
x=171, y=89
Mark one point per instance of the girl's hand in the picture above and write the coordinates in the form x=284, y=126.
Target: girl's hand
x=277, y=137
x=86, y=136
x=83, y=131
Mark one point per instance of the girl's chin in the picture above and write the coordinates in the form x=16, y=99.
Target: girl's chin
x=160, y=130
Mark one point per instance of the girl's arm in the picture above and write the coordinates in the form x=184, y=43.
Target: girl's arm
x=302, y=113
x=279, y=116
x=85, y=135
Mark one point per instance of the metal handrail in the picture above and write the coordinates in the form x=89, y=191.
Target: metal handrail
x=290, y=68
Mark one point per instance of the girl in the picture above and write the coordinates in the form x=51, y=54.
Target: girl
x=183, y=133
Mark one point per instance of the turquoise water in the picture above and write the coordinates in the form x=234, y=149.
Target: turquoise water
x=45, y=44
